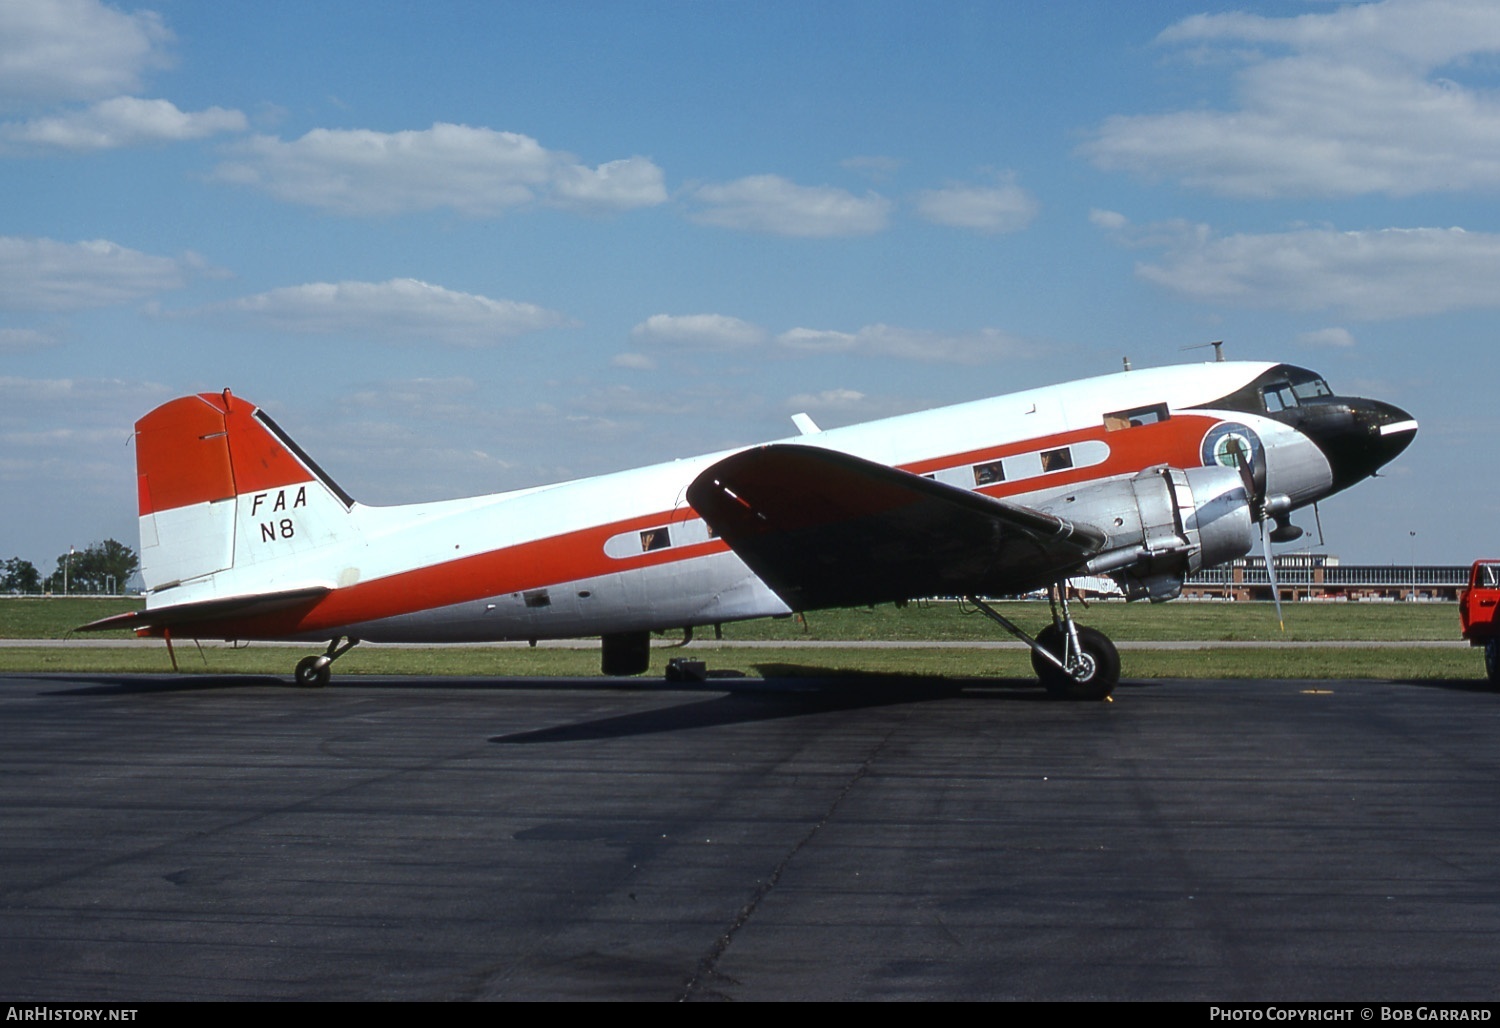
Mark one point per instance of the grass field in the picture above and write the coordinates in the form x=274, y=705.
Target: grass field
x=55, y=617
x=52, y=618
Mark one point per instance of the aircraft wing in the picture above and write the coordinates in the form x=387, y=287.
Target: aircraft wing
x=825, y=529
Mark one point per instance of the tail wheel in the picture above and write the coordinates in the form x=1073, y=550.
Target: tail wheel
x=311, y=675
x=1099, y=661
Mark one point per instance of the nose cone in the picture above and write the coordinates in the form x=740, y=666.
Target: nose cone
x=1359, y=437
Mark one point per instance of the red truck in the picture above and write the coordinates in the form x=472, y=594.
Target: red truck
x=1479, y=613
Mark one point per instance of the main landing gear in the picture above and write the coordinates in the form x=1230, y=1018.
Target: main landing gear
x=315, y=672
x=1073, y=662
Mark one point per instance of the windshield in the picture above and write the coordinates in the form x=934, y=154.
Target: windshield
x=1298, y=385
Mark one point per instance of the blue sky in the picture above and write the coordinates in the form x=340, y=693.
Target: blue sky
x=463, y=247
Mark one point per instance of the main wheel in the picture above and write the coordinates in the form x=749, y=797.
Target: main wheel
x=1100, y=673
x=310, y=675
x=1492, y=661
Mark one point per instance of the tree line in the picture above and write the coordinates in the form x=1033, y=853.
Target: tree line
x=97, y=568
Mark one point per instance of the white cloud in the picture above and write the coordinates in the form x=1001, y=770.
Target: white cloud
x=994, y=209
x=633, y=361
x=64, y=444
x=1424, y=32
x=477, y=172
x=1368, y=101
x=18, y=340
x=987, y=344
x=773, y=205
x=122, y=121
x=398, y=311
x=711, y=332
x=1333, y=338
x=617, y=185
x=721, y=333
x=828, y=399
x=1372, y=275
x=875, y=167
x=43, y=274
x=60, y=50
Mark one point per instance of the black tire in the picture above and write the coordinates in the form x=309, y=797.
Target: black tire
x=1102, y=676
x=1051, y=639
x=1492, y=662
x=310, y=676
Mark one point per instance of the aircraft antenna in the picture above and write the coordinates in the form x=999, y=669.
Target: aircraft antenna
x=1218, y=346
x=1127, y=363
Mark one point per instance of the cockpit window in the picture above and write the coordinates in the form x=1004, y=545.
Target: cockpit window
x=1291, y=392
x=1311, y=389
x=1278, y=397
x=1281, y=387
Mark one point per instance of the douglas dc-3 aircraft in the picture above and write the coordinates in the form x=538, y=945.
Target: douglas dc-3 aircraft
x=1144, y=476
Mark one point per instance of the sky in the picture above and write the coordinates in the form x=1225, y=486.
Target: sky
x=457, y=248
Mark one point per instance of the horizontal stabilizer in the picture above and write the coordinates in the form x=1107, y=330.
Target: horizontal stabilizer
x=186, y=614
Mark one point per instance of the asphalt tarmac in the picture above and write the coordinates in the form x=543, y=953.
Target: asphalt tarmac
x=194, y=837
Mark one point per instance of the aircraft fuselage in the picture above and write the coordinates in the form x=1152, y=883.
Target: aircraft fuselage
x=625, y=552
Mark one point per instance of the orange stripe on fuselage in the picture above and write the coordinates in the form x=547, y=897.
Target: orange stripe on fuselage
x=569, y=557
x=1175, y=441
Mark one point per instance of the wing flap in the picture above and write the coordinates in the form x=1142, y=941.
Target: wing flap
x=826, y=529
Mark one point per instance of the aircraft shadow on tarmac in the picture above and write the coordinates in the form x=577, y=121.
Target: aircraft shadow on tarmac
x=767, y=699
x=128, y=684
x=784, y=691
x=1451, y=684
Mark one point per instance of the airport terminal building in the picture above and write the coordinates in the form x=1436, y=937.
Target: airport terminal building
x=1318, y=576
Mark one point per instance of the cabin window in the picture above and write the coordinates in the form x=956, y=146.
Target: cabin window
x=989, y=474
x=655, y=539
x=1135, y=417
x=1057, y=460
x=536, y=598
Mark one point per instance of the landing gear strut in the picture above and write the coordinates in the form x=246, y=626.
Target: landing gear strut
x=315, y=672
x=1073, y=662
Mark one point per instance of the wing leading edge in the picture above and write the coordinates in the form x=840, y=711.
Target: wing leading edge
x=825, y=529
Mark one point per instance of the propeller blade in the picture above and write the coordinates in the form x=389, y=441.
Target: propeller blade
x=1265, y=540
x=1247, y=477
x=1258, y=512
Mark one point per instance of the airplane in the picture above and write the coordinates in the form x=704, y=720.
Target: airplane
x=1144, y=476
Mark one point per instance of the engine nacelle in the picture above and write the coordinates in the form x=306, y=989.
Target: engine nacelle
x=1163, y=524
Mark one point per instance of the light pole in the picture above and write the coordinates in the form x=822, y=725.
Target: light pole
x=1413, y=535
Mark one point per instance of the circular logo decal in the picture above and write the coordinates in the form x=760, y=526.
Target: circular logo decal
x=1226, y=441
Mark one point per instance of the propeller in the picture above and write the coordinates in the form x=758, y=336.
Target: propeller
x=1256, y=493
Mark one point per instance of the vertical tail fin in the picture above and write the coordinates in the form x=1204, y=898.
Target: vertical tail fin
x=221, y=487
